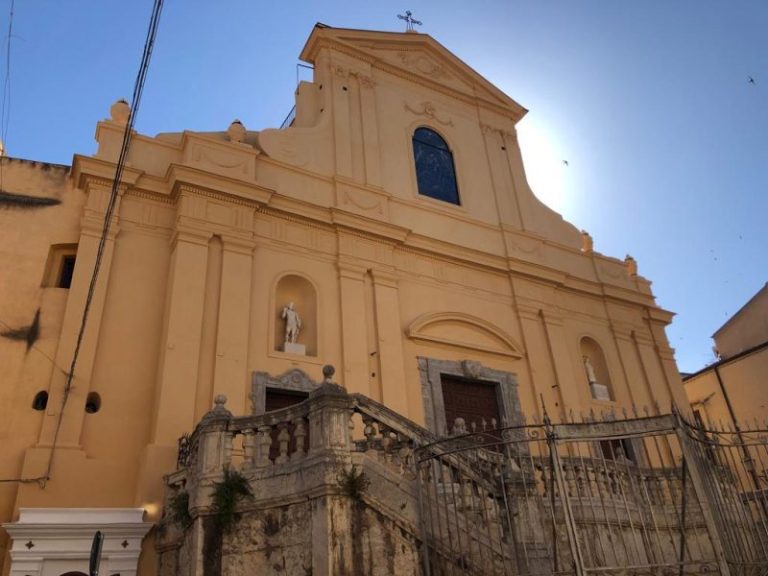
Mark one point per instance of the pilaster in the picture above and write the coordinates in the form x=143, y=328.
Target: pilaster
x=370, y=122
x=390, y=341
x=653, y=369
x=565, y=374
x=341, y=119
x=231, y=376
x=544, y=383
x=353, y=328
x=92, y=223
x=178, y=366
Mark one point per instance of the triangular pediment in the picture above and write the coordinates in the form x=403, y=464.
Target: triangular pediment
x=412, y=54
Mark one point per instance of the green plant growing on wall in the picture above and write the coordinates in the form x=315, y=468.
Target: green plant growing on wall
x=353, y=483
x=179, y=509
x=227, y=494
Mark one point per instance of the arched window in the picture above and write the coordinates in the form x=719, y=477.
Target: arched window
x=435, y=172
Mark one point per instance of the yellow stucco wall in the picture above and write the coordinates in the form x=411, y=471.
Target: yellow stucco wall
x=742, y=379
x=746, y=329
x=205, y=227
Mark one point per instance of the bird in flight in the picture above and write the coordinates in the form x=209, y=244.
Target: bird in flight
x=566, y=162
x=750, y=80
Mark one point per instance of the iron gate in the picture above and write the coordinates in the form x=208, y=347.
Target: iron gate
x=653, y=495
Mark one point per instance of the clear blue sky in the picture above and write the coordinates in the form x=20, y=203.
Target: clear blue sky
x=667, y=142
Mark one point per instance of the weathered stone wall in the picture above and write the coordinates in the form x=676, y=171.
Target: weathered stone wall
x=281, y=541
x=276, y=541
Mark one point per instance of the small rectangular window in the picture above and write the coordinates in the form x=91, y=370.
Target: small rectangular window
x=60, y=268
x=67, y=269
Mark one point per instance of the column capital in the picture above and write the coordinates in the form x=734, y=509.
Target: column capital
x=384, y=277
x=190, y=235
x=239, y=244
x=351, y=271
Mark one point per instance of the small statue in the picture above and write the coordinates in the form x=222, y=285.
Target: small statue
x=292, y=323
x=591, y=377
x=631, y=265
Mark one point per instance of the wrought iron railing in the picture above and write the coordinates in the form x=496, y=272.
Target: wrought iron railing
x=289, y=119
x=652, y=495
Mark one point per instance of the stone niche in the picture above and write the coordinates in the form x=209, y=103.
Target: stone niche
x=296, y=289
x=596, y=370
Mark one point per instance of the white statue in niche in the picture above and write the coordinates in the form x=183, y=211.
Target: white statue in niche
x=591, y=377
x=292, y=323
x=599, y=391
x=292, y=328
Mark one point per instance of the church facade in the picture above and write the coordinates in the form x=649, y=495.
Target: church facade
x=389, y=231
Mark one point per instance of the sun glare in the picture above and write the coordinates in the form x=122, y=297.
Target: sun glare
x=545, y=166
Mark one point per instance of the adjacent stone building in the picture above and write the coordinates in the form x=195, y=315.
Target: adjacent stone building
x=731, y=388
x=389, y=230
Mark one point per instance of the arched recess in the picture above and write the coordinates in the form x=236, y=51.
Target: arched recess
x=465, y=331
x=596, y=371
x=296, y=289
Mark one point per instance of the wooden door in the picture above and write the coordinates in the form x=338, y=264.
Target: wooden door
x=475, y=401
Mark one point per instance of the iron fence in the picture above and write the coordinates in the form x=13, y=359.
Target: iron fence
x=654, y=495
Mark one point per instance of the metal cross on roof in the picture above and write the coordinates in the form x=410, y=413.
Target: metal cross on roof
x=409, y=21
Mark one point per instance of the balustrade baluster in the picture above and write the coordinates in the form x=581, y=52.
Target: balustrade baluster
x=283, y=440
x=263, y=442
x=299, y=434
x=249, y=446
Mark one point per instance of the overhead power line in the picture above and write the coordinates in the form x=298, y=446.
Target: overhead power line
x=5, y=109
x=120, y=166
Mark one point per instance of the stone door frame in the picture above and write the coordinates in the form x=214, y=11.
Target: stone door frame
x=430, y=373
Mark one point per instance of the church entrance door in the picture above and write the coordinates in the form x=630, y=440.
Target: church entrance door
x=475, y=401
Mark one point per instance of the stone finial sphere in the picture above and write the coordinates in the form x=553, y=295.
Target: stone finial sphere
x=236, y=131
x=120, y=111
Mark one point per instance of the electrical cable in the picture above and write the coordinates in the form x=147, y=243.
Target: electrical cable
x=5, y=110
x=135, y=101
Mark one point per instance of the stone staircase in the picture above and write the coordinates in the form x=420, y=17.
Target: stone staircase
x=337, y=489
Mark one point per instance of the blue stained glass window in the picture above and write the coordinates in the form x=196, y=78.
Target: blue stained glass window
x=435, y=172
